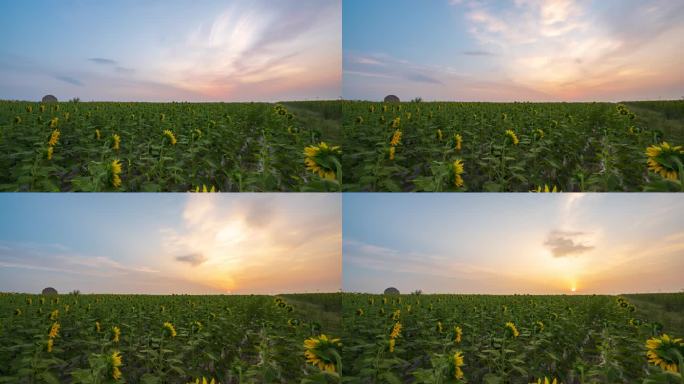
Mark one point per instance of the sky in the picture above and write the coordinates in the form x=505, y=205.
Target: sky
x=514, y=50
x=171, y=50
x=603, y=243
x=170, y=243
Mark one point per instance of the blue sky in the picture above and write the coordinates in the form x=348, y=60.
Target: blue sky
x=158, y=50
x=170, y=243
x=513, y=243
x=476, y=50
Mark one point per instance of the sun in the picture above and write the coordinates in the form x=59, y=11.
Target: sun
x=573, y=289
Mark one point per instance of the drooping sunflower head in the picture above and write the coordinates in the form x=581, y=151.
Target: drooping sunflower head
x=396, y=138
x=396, y=330
x=322, y=159
x=664, y=159
x=54, y=330
x=458, y=141
x=662, y=352
x=440, y=135
x=547, y=381
x=511, y=135
x=456, y=362
x=54, y=138
x=169, y=329
x=359, y=312
x=392, y=344
x=458, y=334
x=359, y=120
x=116, y=171
x=50, y=344
x=115, y=361
x=457, y=169
x=511, y=330
x=539, y=326
x=116, y=334
x=116, y=142
x=170, y=136
x=323, y=352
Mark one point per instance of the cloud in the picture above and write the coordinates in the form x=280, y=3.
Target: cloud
x=193, y=259
x=478, y=53
x=566, y=243
x=70, y=80
x=100, y=60
x=422, y=78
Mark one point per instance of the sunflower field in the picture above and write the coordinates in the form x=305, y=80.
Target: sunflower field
x=496, y=147
x=164, y=339
x=505, y=339
x=76, y=146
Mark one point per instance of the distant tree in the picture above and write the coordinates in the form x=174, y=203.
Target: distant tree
x=417, y=292
x=417, y=100
x=75, y=292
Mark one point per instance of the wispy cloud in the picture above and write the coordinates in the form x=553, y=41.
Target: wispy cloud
x=193, y=259
x=69, y=80
x=100, y=60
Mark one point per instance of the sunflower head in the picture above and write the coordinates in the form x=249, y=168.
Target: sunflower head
x=457, y=171
x=396, y=330
x=115, y=362
x=54, y=138
x=511, y=135
x=547, y=381
x=116, y=334
x=169, y=329
x=665, y=159
x=170, y=136
x=458, y=141
x=54, y=330
x=322, y=159
x=359, y=120
x=663, y=351
x=511, y=330
x=396, y=138
x=323, y=352
x=455, y=364
x=116, y=171
x=458, y=334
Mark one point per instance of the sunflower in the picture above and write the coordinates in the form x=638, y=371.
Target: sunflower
x=540, y=133
x=359, y=120
x=117, y=142
x=396, y=122
x=546, y=189
x=457, y=167
x=53, y=122
x=54, y=314
x=539, y=326
x=440, y=327
x=396, y=330
x=115, y=360
x=396, y=138
x=54, y=138
x=458, y=139
x=171, y=136
x=50, y=344
x=322, y=352
x=439, y=135
x=457, y=361
x=116, y=331
x=322, y=159
x=98, y=134
x=204, y=381
x=392, y=343
x=54, y=330
x=547, y=381
x=458, y=333
x=512, y=136
x=359, y=312
x=513, y=330
x=98, y=327
x=393, y=150
x=169, y=327
x=662, y=352
x=116, y=171
x=50, y=151
x=662, y=159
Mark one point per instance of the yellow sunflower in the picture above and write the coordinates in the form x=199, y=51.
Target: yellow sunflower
x=457, y=166
x=396, y=330
x=662, y=159
x=661, y=352
x=458, y=139
x=116, y=334
x=54, y=331
x=117, y=142
x=396, y=138
x=323, y=352
x=547, y=381
x=115, y=360
x=513, y=330
x=171, y=136
x=512, y=136
x=116, y=171
x=457, y=360
x=392, y=152
x=54, y=138
x=50, y=344
x=171, y=330
x=322, y=159
x=392, y=344
x=458, y=334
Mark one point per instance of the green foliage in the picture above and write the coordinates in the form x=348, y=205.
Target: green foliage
x=576, y=339
x=231, y=147
x=233, y=339
x=572, y=146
